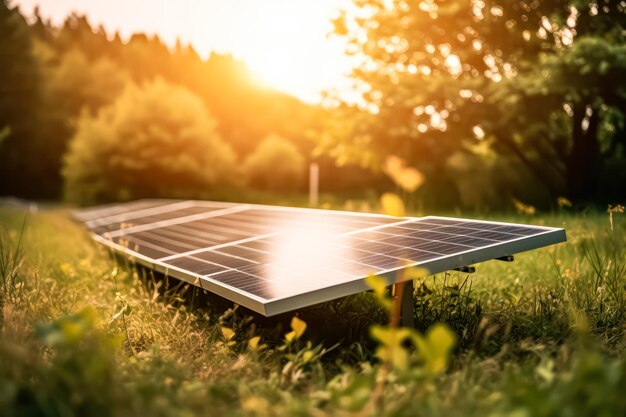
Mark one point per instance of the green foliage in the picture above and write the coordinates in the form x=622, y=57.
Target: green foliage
x=156, y=140
x=432, y=349
x=54, y=72
x=79, y=377
x=435, y=348
x=276, y=164
x=297, y=329
x=379, y=286
x=75, y=83
x=88, y=337
x=391, y=349
x=20, y=106
x=246, y=113
x=449, y=298
x=599, y=294
x=533, y=112
x=590, y=387
x=11, y=258
x=579, y=88
x=445, y=85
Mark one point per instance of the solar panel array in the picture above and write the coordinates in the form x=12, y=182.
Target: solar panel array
x=276, y=259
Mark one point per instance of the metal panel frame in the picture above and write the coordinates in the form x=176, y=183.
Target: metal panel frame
x=276, y=306
x=434, y=266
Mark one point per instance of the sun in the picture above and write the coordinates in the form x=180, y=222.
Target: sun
x=287, y=47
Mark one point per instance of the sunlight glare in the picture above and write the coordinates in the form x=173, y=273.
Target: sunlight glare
x=316, y=247
x=288, y=48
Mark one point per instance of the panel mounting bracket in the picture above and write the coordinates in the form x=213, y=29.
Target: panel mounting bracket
x=507, y=258
x=466, y=269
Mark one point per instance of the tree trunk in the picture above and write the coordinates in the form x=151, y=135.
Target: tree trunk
x=583, y=161
x=535, y=168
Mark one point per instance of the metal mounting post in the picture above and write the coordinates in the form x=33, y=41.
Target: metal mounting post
x=404, y=290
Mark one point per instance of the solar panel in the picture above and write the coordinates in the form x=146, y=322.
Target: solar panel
x=276, y=259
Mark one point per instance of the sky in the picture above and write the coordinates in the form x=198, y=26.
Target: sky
x=284, y=42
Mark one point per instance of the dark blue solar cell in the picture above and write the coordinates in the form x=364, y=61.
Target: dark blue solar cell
x=288, y=254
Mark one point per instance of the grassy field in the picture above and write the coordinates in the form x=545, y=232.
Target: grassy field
x=86, y=335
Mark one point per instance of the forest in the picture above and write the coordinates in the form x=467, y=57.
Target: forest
x=517, y=102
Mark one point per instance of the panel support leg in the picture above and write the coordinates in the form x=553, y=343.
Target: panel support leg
x=403, y=292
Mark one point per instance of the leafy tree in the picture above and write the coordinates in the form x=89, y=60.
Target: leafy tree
x=537, y=81
x=76, y=82
x=157, y=140
x=567, y=105
x=77, y=33
x=276, y=164
x=246, y=112
x=20, y=163
x=73, y=84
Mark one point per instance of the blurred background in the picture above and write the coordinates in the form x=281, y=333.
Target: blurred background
x=470, y=105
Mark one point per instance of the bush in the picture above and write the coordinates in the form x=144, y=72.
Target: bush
x=157, y=140
x=276, y=164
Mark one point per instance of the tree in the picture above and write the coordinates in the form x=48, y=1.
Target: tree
x=439, y=78
x=77, y=33
x=72, y=84
x=276, y=164
x=157, y=140
x=19, y=107
x=75, y=83
x=246, y=111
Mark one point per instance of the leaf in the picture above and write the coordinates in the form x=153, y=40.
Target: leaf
x=441, y=337
x=435, y=347
x=307, y=356
x=416, y=273
x=379, y=286
x=290, y=337
x=68, y=329
x=391, y=347
x=399, y=358
x=392, y=205
x=376, y=283
x=388, y=335
x=227, y=333
x=253, y=343
x=545, y=371
x=298, y=326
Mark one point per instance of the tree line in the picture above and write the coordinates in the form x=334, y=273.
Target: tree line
x=58, y=85
x=492, y=101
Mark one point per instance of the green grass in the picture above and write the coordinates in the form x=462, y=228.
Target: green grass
x=86, y=335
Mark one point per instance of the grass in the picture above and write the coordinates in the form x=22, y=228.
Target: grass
x=86, y=335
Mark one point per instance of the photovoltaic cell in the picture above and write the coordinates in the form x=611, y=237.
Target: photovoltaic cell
x=277, y=259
